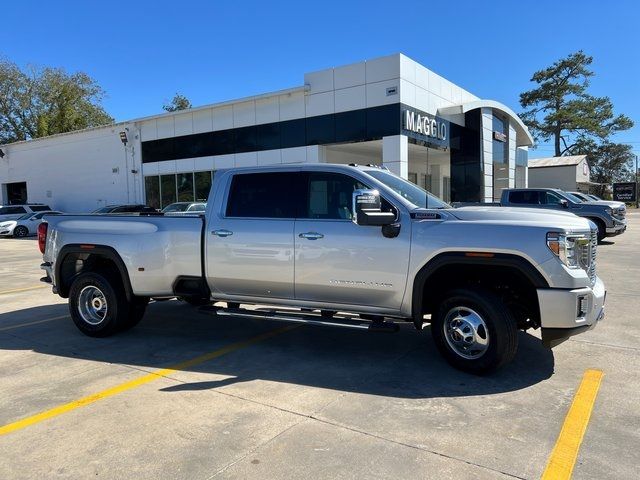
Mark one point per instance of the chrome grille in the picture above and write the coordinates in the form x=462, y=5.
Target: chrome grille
x=593, y=245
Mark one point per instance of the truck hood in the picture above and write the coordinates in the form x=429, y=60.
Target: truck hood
x=521, y=216
x=606, y=203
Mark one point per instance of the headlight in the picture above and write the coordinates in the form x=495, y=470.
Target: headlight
x=568, y=248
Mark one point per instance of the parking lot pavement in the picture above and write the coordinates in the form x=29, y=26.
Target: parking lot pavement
x=187, y=395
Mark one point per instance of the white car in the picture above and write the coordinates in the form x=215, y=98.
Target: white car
x=25, y=225
x=13, y=212
x=185, y=208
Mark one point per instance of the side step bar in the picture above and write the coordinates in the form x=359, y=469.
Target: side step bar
x=303, y=317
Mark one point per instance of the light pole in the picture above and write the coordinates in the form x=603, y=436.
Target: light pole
x=636, y=179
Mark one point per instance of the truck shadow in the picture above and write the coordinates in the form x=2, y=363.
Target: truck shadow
x=404, y=364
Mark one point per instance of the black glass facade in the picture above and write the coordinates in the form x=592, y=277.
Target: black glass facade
x=353, y=126
x=466, y=161
x=464, y=146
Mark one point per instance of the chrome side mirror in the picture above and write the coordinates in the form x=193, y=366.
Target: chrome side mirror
x=367, y=209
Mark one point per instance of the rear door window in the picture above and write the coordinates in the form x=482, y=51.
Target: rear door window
x=39, y=208
x=525, y=197
x=264, y=195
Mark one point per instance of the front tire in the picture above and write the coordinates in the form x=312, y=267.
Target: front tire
x=475, y=331
x=98, y=304
x=20, y=231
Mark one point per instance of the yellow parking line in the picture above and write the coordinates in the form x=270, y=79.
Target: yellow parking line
x=19, y=325
x=136, y=382
x=26, y=289
x=564, y=454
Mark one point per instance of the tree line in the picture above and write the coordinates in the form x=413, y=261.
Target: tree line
x=40, y=101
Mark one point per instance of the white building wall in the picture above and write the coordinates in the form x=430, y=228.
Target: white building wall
x=563, y=178
x=512, y=154
x=75, y=172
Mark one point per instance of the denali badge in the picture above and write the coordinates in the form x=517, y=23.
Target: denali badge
x=360, y=283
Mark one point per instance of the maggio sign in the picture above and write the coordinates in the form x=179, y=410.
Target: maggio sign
x=426, y=127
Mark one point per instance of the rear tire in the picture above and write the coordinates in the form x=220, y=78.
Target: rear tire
x=475, y=331
x=20, y=231
x=136, y=311
x=98, y=304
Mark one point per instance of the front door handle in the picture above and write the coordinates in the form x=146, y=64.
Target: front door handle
x=222, y=233
x=311, y=235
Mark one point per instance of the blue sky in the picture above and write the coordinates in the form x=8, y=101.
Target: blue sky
x=143, y=52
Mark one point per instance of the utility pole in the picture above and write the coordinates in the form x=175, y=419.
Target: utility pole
x=636, y=179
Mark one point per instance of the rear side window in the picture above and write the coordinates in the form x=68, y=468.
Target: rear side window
x=529, y=197
x=39, y=208
x=264, y=195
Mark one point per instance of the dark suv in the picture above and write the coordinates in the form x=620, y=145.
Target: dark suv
x=610, y=221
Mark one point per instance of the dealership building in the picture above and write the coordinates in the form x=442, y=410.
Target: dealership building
x=388, y=111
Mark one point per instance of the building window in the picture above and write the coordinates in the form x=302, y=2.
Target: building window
x=185, y=187
x=521, y=167
x=446, y=187
x=152, y=191
x=167, y=190
x=500, y=156
x=413, y=178
x=203, y=182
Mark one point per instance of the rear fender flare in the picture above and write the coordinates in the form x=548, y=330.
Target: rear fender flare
x=103, y=251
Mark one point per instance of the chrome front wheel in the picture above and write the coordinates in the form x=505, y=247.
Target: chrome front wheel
x=474, y=330
x=466, y=332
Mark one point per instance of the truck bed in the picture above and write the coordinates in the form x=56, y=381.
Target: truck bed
x=156, y=250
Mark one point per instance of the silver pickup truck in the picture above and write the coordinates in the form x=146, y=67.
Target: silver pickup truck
x=353, y=246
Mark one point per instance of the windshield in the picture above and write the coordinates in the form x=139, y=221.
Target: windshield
x=103, y=210
x=573, y=198
x=407, y=190
x=176, y=207
x=197, y=207
x=26, y=216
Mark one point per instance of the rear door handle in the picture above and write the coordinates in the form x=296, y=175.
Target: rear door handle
x=222, y=233
x=311, y=235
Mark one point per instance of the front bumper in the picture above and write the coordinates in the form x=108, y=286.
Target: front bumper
x=619, y=226
x=564, y=313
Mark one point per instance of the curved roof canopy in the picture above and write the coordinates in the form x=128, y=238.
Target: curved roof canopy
x=523, y=137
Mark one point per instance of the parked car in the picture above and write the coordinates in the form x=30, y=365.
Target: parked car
x=338, y=238
x=185, y=208
x=26, y=225
x=13, y=212
x=126, y=209
x=610, y=221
